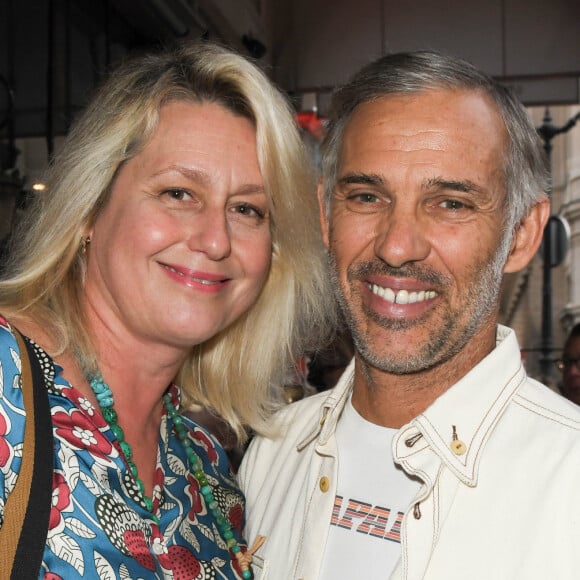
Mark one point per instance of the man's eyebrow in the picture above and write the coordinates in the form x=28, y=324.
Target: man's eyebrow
x=435, y=183
x=464, y=186
x=361, y=179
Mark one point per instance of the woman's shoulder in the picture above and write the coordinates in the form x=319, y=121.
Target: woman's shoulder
x=10, y=327
x=9, y=351
x=201, y=439
x=204, y=440
x=12, y=415
x=11, y=396
x=215, y=459
x=5, y=326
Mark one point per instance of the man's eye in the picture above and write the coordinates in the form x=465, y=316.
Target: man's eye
x=364, y=198
x=363, y=202
x=453, y=204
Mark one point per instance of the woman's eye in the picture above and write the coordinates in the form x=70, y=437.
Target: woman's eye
x=249, y=210
x=177, y=194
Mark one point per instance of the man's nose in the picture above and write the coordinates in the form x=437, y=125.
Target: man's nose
x=401, y=238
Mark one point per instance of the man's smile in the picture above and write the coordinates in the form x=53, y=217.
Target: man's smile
x=402, y=296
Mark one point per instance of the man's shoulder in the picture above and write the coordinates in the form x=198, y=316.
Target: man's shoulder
x=548, y=406
x=305, y=408
x=294, y=421
x=288, y=428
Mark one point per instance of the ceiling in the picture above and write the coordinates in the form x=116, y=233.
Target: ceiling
x=54, y=52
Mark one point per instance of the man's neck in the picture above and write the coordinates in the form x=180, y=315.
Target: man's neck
x=392, y=400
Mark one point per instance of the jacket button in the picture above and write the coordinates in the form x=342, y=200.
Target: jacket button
x=458, y=447
x=324, y=484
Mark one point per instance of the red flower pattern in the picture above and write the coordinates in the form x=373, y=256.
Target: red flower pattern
x=193, y=492
x=236, y=516
x=138, y=548
x=60, y=501
x=4, y=447
x=207, y=444
x=78, y=429
x=184, y=565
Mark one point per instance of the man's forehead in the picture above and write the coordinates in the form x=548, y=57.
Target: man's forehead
x=447, y=102
x=456, y=123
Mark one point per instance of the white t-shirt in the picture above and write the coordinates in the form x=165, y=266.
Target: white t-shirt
x=372, y=496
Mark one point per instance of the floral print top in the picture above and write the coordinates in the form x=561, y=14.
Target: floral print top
x=98, y=526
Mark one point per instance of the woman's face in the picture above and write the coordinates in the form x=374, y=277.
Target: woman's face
x=182, y=248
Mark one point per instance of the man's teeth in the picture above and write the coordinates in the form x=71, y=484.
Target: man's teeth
x=402, y=296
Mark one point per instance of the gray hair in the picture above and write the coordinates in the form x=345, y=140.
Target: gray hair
x=525, y=169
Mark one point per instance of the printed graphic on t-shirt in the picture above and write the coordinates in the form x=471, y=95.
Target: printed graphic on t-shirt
x=371, y=495
x=365, y=518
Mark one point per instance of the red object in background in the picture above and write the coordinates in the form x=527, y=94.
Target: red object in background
x=312, y=123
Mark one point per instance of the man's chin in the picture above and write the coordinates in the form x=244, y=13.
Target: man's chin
x=404, y=364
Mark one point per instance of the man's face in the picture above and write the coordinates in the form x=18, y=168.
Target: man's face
x=416, y=226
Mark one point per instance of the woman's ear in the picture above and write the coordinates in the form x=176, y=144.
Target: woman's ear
x=528, y=237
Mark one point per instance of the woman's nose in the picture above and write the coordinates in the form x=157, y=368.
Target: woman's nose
x=210, y=234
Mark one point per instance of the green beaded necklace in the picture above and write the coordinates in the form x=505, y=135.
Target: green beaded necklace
x=106, y=402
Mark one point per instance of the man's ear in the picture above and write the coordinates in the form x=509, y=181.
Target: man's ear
x=322, y=212
x=528, y=237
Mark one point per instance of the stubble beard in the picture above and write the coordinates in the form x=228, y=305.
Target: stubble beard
x=444, y=342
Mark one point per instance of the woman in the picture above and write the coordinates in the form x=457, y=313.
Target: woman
x=176, y=245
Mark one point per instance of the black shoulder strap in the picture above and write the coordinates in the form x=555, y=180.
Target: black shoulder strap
x=32, y=541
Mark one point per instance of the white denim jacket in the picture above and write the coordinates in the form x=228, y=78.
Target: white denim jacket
x=507, y=509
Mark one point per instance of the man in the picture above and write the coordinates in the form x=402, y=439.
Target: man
x=569, y=366
x=435, y=456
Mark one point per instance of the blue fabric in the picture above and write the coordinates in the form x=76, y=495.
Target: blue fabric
x=98, y=526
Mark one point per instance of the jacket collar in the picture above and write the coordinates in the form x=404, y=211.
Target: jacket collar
x=473, y=405
x=331, y=409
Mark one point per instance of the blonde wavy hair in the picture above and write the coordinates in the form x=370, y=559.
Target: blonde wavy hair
x=232, y=373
